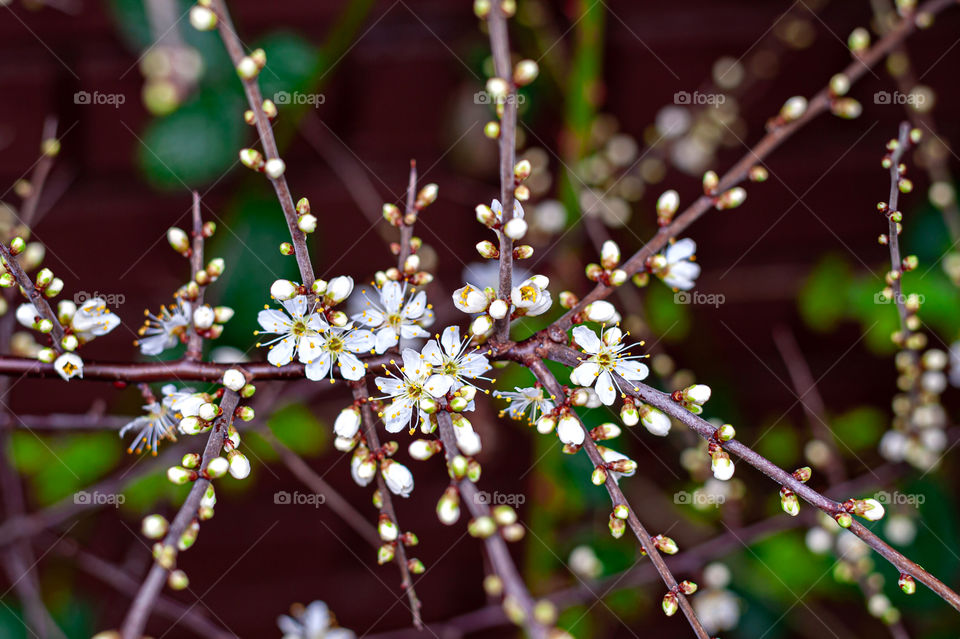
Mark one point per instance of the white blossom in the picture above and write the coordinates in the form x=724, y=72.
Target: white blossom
x=68, y=366
x=165, y=329
x=158, y=423
x=674, y=265
x=395, y=316
x=348, y=422
x=570, y=431
x=398, y=477
x=521, y=399
x=452, y=362
x=331, y=345
x=608, y=357
x=531, y=297
x=93, y=319
x=312, y=622
x=291, y=328
x=497, y=208
x=362, y=467
x=406, y=391
x=470, y=299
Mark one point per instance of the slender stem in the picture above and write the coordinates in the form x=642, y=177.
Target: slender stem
x=893, y=237
x=496, y=547
x=195, y=341
x=121, y=581
x=806, y=391
x=500, y=46
x=34, y=295
x=817, y=105
x=369, y=427
x=265, y=131
x=707, y=430
x=136, y=619
x=550, y=383
x=406, y=225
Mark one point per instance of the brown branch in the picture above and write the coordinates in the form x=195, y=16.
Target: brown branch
x=550, y=383
x=406, y=224
x=369, y=427
x=817, y=105
x=500, y=46
x=136, y=619
x=121, y=581
x=804, y=386
x=265, y=131
x=705, y=429
x=195, y=341
x=496, y=547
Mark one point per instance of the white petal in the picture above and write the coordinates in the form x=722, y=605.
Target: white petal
x=432, y=353
x=350, y=366
x=282, y=352
x=680, y=250
x=297, y=307
x=386, y=339
x=360, y=341
x=274, y=321
x=369, y=317
x=391, y=296
x=415, y=306
x=587, y=339
x=318, y=368
x=438, y=385
x=586, y=373
x=632, y=370
x=450, y=339
x=605, y=388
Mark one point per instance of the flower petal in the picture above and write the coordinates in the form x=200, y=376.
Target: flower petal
x=587, y=339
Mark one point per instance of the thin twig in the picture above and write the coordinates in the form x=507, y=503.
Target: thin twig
x=550, y=383
x=406, y=224
x=817, y=105
x=497, y=552
x=369, y=428
x=136, y=619
x=806, y=391
x=265, y=131
x=195, y=341
x=500, y=46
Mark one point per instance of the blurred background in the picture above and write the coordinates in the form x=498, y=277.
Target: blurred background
x=632, y=99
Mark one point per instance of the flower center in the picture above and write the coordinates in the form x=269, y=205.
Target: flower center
x=299, y=328
x=528, y=293
x=335, y=344
x=394, y=320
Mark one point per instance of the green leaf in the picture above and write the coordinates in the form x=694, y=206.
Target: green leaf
x=859, y=428
x=667, y=319
x=62, y=465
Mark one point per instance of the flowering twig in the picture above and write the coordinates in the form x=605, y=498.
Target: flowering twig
x=497, y=552
x=276, y=175
x=619, y=501
x=893, y=236
x=705, y=429
x=817, y=105
x=136, y=619
x=369, y=430
x=500, y=46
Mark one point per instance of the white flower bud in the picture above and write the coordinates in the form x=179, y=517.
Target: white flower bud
x=609, y=254
x=307, y=223
x=870, y=509
x=398, y=477
x=53, y=289
x=387, y=529
x=203, y=317
x=339, y=289
x=248, y=69
x=481, y=325
x=794, y=108
x=525, y=72
x=44, y=277
x=570, y=431
x=654, y=421
x=498, y=309
x=222, y=314
x=202, y=18
x=348, y=422
x=722, y=466
x=234, y=379
x=697, y=393
x=192, y=426
x=154, y=526
x=422, y=449
x=668, y=203
x=283, y=290
x=70, y=343
x=448, y=508
x=546, y=424
x=45, y=355
x=217, y=467
x=498, y=88
x=180, y=476
x=515, y=229
x=208, y=412
x=251, y=158
x=239, y=464
x=629, y=414
x=274, y=168
x=600, y=311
